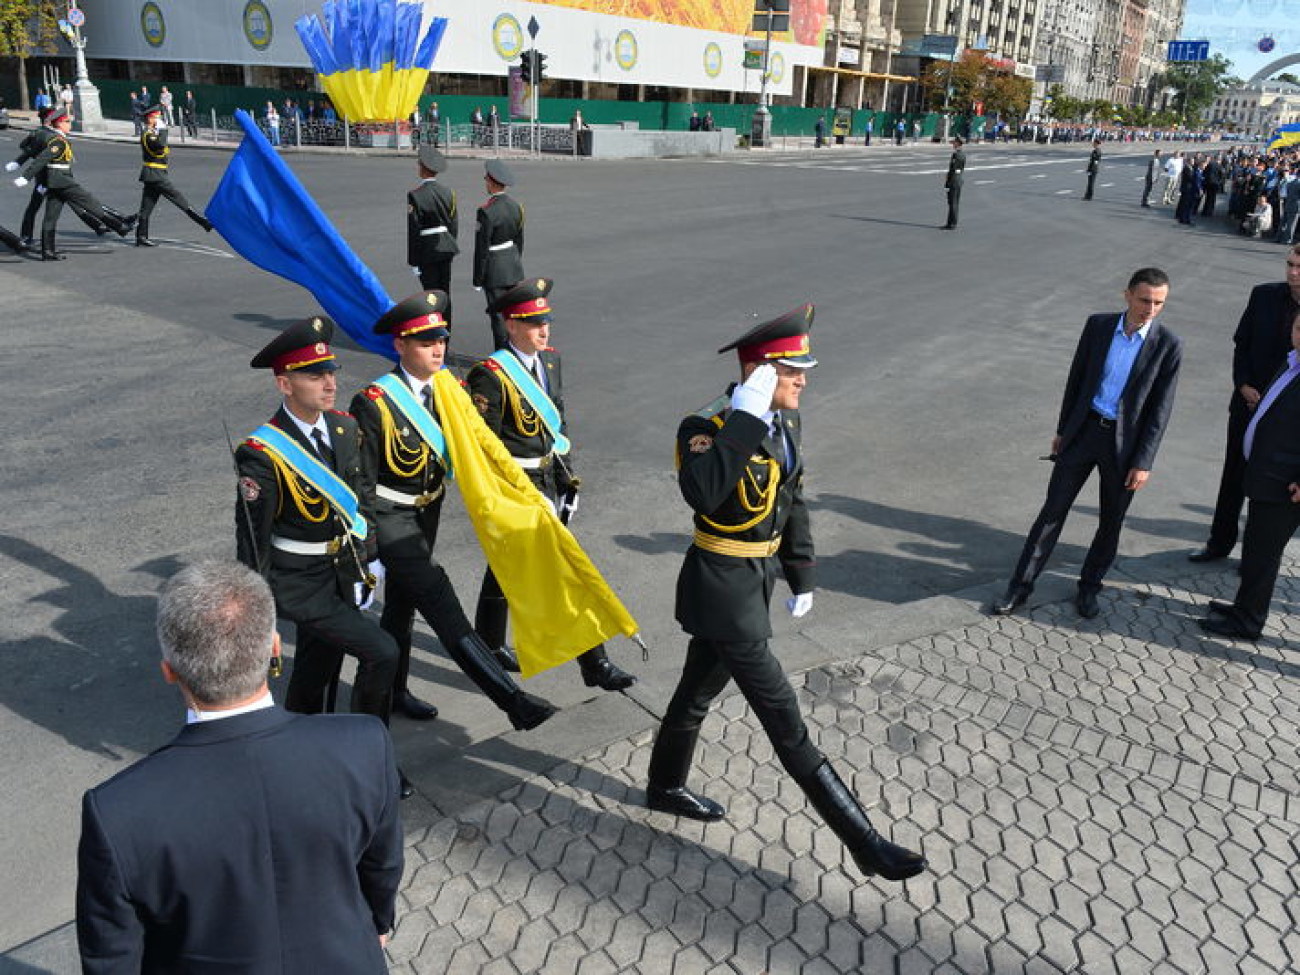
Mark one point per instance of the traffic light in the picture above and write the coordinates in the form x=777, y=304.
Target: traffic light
x=526, y=69
x=539, y=66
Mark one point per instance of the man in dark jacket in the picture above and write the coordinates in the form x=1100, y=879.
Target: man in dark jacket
x=155, y=162
x=498, y=244
x=432, y=225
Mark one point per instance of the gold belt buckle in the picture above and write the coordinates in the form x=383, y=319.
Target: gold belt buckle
x=333, y=545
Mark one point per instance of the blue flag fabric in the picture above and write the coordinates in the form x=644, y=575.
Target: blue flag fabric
x=268, y=218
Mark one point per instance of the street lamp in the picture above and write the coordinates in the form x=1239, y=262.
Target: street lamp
x=86, y=112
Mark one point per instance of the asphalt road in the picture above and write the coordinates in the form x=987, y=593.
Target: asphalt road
x=943, y=356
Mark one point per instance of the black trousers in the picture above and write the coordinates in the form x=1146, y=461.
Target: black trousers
x=322, y=644
x=500, y=339
x=437, y=277
x=1270, y=525
x=74, y=196
x=1232, y=491
x=34, y=206
x=710, y=665
x=1093, y=448
x=150, y=193
x=1211, y=195
x=1092, y=178
x=954, y=203
x=1146, y=192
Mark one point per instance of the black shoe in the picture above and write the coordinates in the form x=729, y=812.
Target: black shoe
x=1227, y=626
x=1207, y=554
x=681, y=801
x=30, y=244
x=411, y=706
x=144, y=242
x=1011, y=600
x=53, y=256
x=507, y=659
x=404, y=787
x=1086, y=604
x=605, y=674
x=1222, y=608
x=526, y=712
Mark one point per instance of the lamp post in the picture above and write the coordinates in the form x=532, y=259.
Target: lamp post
x=86, y=111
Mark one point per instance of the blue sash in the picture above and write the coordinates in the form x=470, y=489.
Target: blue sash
x=541, y=403
x=307, y=466
x=425, y=425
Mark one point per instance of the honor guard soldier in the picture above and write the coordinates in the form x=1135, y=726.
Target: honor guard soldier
x=302, y=522
x=432, y=225
x=404, y=463
x=740, y=468
x=498, y=244
x=153, y=174
x=518, y=392
x=53, y=164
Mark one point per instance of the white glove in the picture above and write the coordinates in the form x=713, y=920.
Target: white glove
x=10, y=166
x=365, y=597
x=20, y=182
x=800, y=604
x=477, y=288
x=568, y=508
x=754, y=395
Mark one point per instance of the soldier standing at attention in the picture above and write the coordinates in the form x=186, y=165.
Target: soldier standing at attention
x=956, y=167
x=498, y=244
x=1094, y=164
x=517, y=391
x=740, y=468
x=153, y=174
x=404, y=463
x=431, y=227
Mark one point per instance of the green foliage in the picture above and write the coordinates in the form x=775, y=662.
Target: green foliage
x=972, y=78
x=1288, y=76
x=28, y=27
x=1198, y=83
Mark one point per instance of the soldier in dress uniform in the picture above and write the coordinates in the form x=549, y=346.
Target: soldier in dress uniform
x=1094, y=166
x=518, y=392
x=53, y=164
x=498, y=244
x=432, y=225
x=404, y=464
x=302, y=521
x=952, y=182
x=740, y=468
x=153, y=174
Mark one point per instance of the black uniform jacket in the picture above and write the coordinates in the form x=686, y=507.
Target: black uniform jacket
x=956, y=168
x=53, y=164
x=1262, y=339
x=1147, y=400
x=728, y=466
x=430, y=206
x=306, y=587
x=500, y=221
x=266, y=842
x=154, y=153
x=1094, y=160
x=509, y=416
x=33, y=143
x=1275, y=449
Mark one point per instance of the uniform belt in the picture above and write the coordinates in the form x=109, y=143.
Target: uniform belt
x=295, y=547
x=501, y=246
x=533, y=463
x=429, y=231
x=1105, y=422
x=409, y=500
x=730, y=546
x=156, y=165
x=60, y=165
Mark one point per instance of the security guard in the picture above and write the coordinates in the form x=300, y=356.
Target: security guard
x=740, y=468
x=498, y=244
x=53, y=164
x=404, y=463
x=153, y=174
x=302, y=521
x=432, y=225
x=519, y=394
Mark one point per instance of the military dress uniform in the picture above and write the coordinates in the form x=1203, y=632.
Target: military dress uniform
x=509, y=415
x=292, y=535
x=498, y=246
x=156, y=156
x=1094, y=166
x=432, y=225
x=404, y=483
x=742, y=475
x=953, y=182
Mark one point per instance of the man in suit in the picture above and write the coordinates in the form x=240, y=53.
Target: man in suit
x=1154, y=166
x=520, y=395
x=740, y=468
x=302, y=521
x=1260, y=347
x=1094, y=164
x=952, y=182
x=1272, y=449
x=404, y=463
x=258, y=840
x=498, y=244
x=1114, y=413
x=432, y=225
x=156, y=157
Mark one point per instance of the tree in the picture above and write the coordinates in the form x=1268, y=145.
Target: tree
x=1288, y=77
x=975, y=77
x=1198, y=83
x=27, y=27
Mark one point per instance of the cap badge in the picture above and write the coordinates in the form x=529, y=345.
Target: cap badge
x=321, y=348
x=700, y=443
x=316, y=324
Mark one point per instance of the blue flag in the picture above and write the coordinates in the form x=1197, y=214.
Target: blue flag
x=268, y=218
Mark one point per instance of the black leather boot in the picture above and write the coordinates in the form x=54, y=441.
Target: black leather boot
x=599, y=671
x=122, y=226
x=404, y=701
x=199, y=218
x=476, y=660
x=13, y=242
x=142, y=234
x=490, y=618
x=670, y=763
x=842, y=812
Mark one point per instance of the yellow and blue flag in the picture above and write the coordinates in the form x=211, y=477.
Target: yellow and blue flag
x=1285, y=135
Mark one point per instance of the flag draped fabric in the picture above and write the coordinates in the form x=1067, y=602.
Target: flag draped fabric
x=560, y=606
x=1284, y=136
x=268, y=218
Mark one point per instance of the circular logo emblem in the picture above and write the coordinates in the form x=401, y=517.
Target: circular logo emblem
x=712, y=59
x=257, y=24
x=152, y=24
x=77, y=17
x=776, y=68
x=507, y=36
x=625, y=50
x=1266, y=44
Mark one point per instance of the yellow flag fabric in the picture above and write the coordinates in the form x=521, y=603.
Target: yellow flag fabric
x=560, y=605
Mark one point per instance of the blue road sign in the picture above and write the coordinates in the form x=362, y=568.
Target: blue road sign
x=1189, y=51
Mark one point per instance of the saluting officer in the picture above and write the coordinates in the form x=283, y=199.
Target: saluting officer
x=404, y=463
x=302, y=521
x=519, y=394
x=741, y=470
x=498, y=244
x=432, y=225
x=53, y=164
x=153, y=174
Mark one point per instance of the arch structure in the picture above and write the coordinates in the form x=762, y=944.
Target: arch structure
x=1273, y=67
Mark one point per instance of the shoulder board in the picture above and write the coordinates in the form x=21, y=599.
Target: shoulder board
x=491, y=364
x=550, y=348
x=374, y=392
x=714, y=409
x=252, y=443
x=342, y=413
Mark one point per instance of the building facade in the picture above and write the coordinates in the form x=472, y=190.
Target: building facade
x=1257, y=109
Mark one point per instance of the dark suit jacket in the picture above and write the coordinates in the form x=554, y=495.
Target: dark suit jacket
x=1275, y=450
x=500, y=220
x=1146, y=402
x=429, y=206
x=956, y=169
x=266, y=842
x=1262, y=339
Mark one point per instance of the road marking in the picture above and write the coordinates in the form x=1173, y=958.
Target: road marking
x=1063, y=192
x=185, y=245
x=982, y=182
x=1038, y=176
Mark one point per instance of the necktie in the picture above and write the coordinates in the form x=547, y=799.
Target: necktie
x=538, y=373
x=322, y=447
x=426, y=396
x=778, y=435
